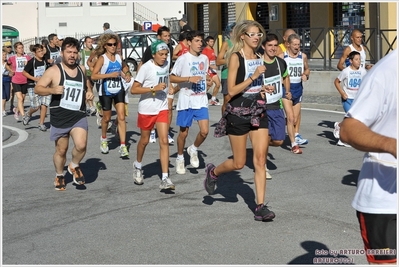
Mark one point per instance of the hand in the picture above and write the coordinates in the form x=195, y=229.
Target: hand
x=160, y=87
x=128, y=78
x=58, y=90
x=304, y=77
x=89, y=95
x=288, y=95
x=344, y=96
x=259, y=71
x=268, y=88
x=114, y=74
x=195, y=79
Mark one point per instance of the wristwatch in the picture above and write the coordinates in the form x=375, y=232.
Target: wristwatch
x=152, y=90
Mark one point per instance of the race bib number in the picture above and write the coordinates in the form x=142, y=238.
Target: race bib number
x=199, y=87
x=114, y=85
x=39, y=71
x=274, y=81
x=72, y=97
x=21, y=61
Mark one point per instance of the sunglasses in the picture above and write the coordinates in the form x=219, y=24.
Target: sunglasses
x=8, y=46
x=253, y=34
x=111, y=44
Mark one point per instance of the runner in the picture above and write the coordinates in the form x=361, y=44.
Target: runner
x=7, y=73
x=19, y=81
x=84, y=55
x=111, y=68
x=66, y=82
x=244, y=115
x=221, y=61
x=163, y=34
x=52, y=50
x=210, y=53
x=190, y=71
x=351, y=78
x=276, y=75
x=152, y=83
x=33, y=71
x=299, y=71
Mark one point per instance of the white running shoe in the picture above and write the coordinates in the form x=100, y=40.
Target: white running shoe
x=104, y=147
x=170, y=139
x=336, y=130
x=152, y=137
x=340, y=143
x=138, y=176
x=180, y=166
x=193, y=157
x=268, y=176
x=167, y=184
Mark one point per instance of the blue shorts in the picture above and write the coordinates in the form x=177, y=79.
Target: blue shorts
x=185, y=117
x=296, y=92
x=57, y=133
x=276, y=119
x=346, y=104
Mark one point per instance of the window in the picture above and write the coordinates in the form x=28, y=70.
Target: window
x=63, y=4
x=262, y=15
x=107, y=3
x=298, y=15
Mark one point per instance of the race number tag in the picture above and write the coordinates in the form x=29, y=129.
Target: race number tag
x=73, y=95
x=277, y=93
x=114, y=85
x=21, y=61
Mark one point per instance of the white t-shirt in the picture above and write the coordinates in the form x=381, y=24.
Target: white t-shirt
x=192, y=95
x=376, y=106
x=152, y=75
x=350, y=80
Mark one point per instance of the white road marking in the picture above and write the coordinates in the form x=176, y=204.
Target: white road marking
x=22, y=136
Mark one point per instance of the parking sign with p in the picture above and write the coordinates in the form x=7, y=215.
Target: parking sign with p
x=147, y=26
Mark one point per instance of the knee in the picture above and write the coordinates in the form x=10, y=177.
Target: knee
x=121, y=119
x=183, y=134
x=276, y=142
x=238, y=165
x=204, y=133
x=163, y=141
x=80, y=146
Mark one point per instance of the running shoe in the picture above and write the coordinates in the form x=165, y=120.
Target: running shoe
x=262, y=213
x=77, y=174
x=296, y=150
x=210, y=180
x=4, y=113
x=98, y=107
x=152, y=137
x=268, y=176
x=300, y=141
x=214, y=103
x=340, y=143
x=167, y=184
x=92, y=110
x=123, y=151
x=59, y=183
x=138, y=176
x=99, y=119
x=170, y=139
x=193, y=157
x=336, y=130
x=180, y=169
x=16, y=116
x=42, y=127
x=26, y=119
x=104, y=147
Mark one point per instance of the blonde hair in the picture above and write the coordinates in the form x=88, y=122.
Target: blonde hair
x=102, y=41
x=238, y=30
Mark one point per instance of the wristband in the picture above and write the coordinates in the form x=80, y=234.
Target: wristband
x=251, y=78
x=152, y=90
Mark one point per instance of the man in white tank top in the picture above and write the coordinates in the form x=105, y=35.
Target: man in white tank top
x=356, y=45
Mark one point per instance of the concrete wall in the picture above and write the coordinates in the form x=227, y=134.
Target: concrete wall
x=321, y=83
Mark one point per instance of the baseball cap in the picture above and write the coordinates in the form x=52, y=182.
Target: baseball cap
x=183, y=19
x=60, y=37
x=158, y=45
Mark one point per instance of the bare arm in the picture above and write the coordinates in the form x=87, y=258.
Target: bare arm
x=220, y=60
x=337, y=84
x=176, y=51
x=48, y=83
x=30, y=77
x=306, y=71
x=358, y=135
x=344, y=56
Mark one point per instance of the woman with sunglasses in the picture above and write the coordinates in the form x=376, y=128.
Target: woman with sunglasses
x=111, y=69
x=245, y=113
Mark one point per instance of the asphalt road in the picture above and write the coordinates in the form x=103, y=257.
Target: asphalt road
x=112, y=221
